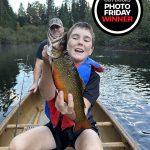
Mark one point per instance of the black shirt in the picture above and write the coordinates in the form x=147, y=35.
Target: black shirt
x=40, y=49
x=91, y=91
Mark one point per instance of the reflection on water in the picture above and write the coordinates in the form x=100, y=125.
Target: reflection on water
x=125, y=86
x=125, y=91
x=16, y=69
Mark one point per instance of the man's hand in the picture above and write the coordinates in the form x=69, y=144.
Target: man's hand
x=33, y=87
x=63, y=107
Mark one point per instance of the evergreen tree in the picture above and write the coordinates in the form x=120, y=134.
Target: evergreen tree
x=7, y=16
x=75, y=11
x=64, y=15
x=42, y=13
x=82, y=9
x=36, y=13
x=79, y=10
x=21, y=15
x=143, y=30
x=50, y=10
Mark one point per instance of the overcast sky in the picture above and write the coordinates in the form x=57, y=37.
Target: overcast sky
x=16, y=3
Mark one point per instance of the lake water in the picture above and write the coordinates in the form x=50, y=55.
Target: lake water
x=124, y=87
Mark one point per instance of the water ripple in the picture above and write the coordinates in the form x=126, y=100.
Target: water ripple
x=126, y=93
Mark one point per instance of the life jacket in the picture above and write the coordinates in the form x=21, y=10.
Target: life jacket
x=84, y=71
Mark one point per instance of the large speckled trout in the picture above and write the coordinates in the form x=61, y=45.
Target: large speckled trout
x=67, y=79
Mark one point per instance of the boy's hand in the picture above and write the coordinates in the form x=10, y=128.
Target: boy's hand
x=63, y=107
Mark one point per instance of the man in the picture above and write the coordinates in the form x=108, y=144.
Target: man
x=56, y=29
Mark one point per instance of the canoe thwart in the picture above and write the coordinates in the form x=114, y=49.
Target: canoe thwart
x=3, y=148
x=19, y=126
x=101, y=124
x=113, y=144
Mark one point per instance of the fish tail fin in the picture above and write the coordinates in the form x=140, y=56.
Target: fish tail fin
x=84, y=124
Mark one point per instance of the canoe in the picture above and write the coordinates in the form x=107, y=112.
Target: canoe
x=29, y=113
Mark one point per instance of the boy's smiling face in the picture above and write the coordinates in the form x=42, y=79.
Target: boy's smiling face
x=80, y=44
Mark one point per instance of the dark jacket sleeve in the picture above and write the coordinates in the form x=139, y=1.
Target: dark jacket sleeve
x=91, y=91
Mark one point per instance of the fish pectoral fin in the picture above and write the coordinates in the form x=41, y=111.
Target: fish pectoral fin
x=84, y=124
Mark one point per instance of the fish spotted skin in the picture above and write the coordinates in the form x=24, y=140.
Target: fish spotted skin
x=66, y=78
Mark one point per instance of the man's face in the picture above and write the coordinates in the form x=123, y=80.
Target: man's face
x=56, y=31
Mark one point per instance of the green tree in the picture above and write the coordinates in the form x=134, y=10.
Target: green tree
x=42, y=13
x=75, y=11
x=21, y=10
x=36, y=13
x=82, y=9
x=143, y=30
x=50, y=10
x=65, y=16
x=7, y=16
x=79, y=10
x=21, y=15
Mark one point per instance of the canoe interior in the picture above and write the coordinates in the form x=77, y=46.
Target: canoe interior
x=111, y=133
x=28, y=108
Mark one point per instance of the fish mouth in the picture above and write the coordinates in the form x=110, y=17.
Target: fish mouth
x=55, y=49
x=79, y=50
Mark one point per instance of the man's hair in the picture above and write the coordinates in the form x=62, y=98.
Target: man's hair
x=84, y=25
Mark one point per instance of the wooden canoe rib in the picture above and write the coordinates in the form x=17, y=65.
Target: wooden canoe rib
x=113, y=136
